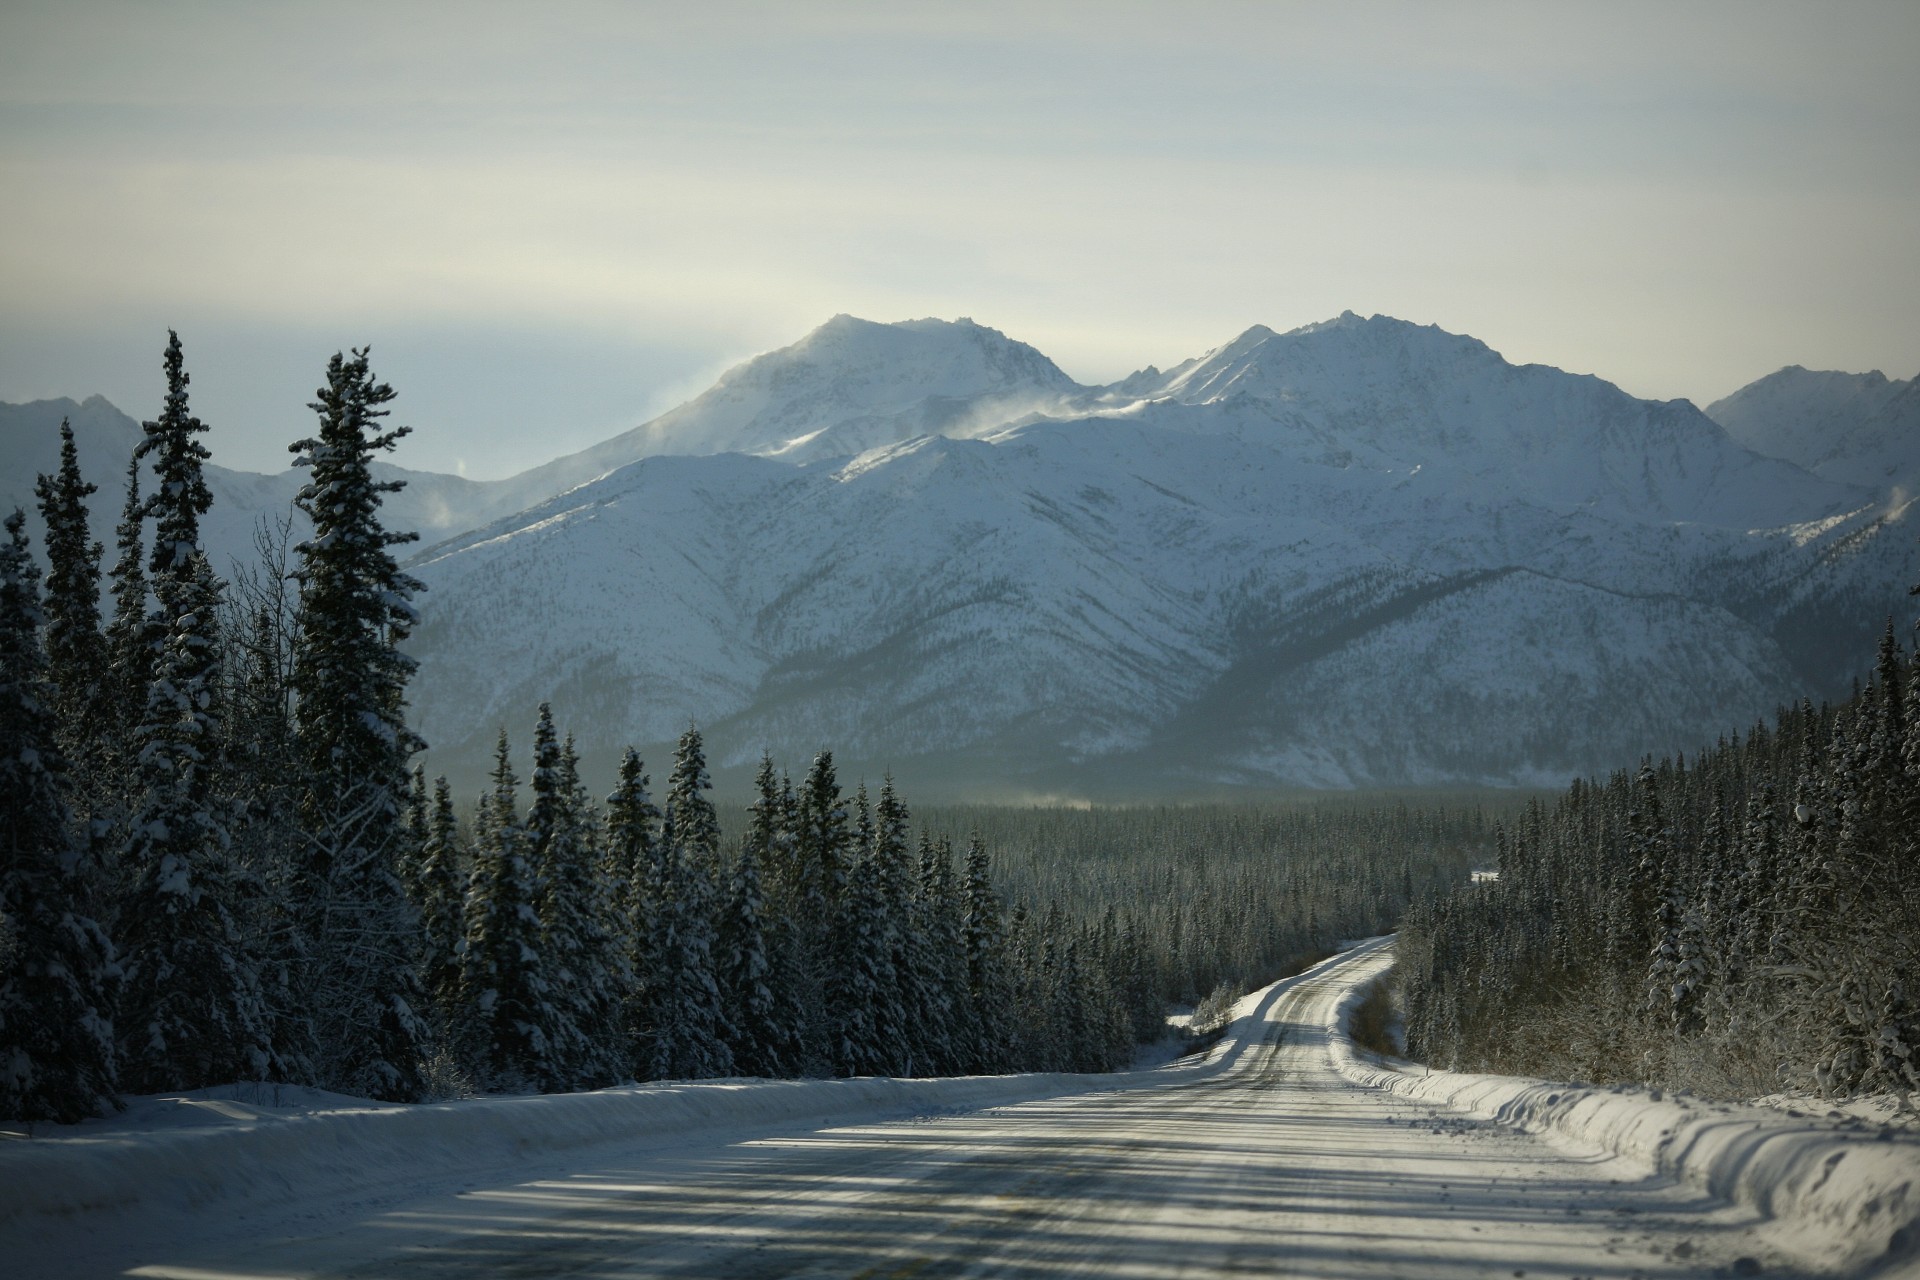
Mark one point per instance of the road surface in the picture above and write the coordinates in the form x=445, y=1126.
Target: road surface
x=1276, y=1167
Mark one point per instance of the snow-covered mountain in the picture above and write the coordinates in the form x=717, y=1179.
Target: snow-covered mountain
x=1858, y=428
x=846, y=387
x=1360, y=552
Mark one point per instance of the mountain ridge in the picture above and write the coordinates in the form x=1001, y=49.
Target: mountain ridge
x=1359, y=552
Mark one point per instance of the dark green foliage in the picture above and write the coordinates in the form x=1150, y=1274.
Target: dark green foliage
x=577, y=945
x=57, y=970
x=437, y=891
x=357, y=929
x=1758, y=926
x=191, y=1011
x=75, y=647
x=503, y=979
x=180, y=496
x=689, y=1031
x=132, y=637
x=631, y=852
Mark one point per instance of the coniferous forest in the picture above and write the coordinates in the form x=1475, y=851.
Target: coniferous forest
x=219, y=860
x=1739, y=924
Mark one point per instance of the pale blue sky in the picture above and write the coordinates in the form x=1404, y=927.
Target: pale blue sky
x=554, y=220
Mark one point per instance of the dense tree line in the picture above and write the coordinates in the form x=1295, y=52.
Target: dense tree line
x=1744, y=922
x=1180, y=901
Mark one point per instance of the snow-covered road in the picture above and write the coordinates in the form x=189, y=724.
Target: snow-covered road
x=1275, y=1165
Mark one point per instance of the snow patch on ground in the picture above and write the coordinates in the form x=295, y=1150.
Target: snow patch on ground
x=1846, y=1192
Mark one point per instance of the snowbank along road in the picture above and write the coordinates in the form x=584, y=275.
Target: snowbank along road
x=1269, y=1160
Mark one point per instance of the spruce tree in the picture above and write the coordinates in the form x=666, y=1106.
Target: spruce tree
x=940, y=962
x=191, y=1011
x=630, y=858
x=756, y=1031
x=861, y=983
x=132, y=637
x=57, y=975
x=989, y=984
x=75, y=647
x=691, y=1034
x=903, y=1019
x=438, y=893
x=180, y=495
x=503, y=981
x=349, y=683
x=792, y=985
x=818, y=878
x=574, y=942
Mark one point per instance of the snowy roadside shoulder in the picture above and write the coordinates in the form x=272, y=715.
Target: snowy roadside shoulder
x=255, y=1147
x=1848, y=1192
x=243, y=1154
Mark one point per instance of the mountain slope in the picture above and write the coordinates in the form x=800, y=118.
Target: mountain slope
x=1382, y=392
x=1856, y=428
x=1148, y=599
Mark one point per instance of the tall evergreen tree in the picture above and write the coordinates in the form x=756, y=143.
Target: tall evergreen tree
x=941, y=963
x=903, y=1019
x=756, y=1032
x=630, y=860
x=861, y=984
x=57, y=1058
x=438, y=894
x=818, y=878
x=191, y=1012
x=574, y=940
x=349, y=684
x=75, y=647
x=131, y=635
x=691, y=1035
x=503, y=979
x=989, y=988
x=180, y=496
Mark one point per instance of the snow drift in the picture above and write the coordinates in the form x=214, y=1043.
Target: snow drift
x=1850, y=1198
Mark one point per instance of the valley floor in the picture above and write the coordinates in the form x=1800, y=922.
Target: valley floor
x=1269, y=1159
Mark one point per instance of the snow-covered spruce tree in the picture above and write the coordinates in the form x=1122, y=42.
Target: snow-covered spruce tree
x=56, y=981
x=503, y=984
x=575, y=945
x=817, y=880
x=180, y=495
x=756, y=1033
x=191, y=1012
x=75, y=647
x=438, y=893
x=861, y=985
x=349, y=683
x=941, y=961
x=903, y=1019
x=132, y=635
x=629, y=864
x=612, y=975
x=990, y=993
x=774, y=815
x=690, y=1041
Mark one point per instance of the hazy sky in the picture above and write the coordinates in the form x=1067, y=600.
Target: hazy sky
x=554, y=220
